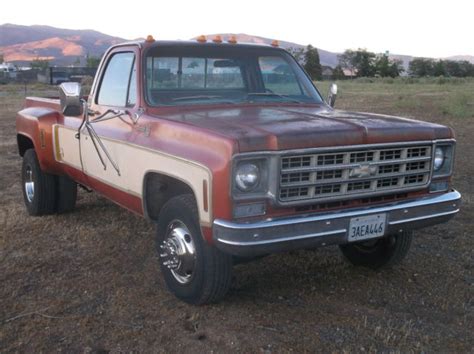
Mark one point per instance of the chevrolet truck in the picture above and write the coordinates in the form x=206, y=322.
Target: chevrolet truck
x=234, y=154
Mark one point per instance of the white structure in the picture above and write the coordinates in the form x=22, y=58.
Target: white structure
x=8, y=69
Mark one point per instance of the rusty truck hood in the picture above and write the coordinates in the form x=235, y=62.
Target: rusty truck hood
x=294, y=127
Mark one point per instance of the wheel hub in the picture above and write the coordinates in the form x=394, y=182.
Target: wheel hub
x=178, y=252
x=29, y=184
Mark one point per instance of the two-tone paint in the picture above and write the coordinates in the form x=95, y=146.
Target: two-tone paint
x=193, y=144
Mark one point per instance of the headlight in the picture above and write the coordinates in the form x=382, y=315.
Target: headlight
x=443, y=160
x=438, y=158
x=247, y=177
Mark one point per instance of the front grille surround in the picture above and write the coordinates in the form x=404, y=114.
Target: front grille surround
x=321, y=175
x=271, y=163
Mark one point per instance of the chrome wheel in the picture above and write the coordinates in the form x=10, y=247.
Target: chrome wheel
x=178, y=252
x=29, y=184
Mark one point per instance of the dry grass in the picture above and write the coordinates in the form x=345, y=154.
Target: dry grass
x=88, y=281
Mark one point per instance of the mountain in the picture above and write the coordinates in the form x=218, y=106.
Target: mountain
x=22, y=44
x=469, y=58
x=325, y=57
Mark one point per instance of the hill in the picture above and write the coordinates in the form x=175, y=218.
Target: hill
x=326, y=57
x=22, y=44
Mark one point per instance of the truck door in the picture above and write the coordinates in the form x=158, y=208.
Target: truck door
x=105, y=151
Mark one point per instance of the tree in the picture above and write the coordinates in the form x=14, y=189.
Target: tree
x=384, y=66
x=396, y=68
x=467, y=68
x=298, y=53
x=360, y=62
x=347, y=61
x=421, y=67
x=439, y=68
x=312, y=64
x=338, y=73
x=92, y=61
x=40, y=64
x=364, y=62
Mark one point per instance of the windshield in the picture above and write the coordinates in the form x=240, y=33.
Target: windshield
x=187, y=75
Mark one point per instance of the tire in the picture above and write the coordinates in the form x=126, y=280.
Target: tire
x=194, y=271
x=381, y=253
x=39, y=188
x=66, y=194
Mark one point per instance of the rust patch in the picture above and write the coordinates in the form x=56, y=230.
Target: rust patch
x=42, y=139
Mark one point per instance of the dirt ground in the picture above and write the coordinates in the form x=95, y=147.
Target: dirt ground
x=88, y=282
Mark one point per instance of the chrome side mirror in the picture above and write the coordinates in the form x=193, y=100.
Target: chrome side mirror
x=70, y=98
x=331, y=100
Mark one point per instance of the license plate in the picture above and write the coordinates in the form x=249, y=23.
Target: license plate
x=366, y=227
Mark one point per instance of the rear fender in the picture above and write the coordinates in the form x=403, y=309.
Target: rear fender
x=36, y=124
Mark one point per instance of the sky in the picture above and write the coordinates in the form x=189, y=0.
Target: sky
x=411, y=27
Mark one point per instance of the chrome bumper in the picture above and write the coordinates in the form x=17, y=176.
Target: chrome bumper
x=308, y=231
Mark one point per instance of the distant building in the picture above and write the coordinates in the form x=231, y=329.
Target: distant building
x=350, y=73
x=327, y=72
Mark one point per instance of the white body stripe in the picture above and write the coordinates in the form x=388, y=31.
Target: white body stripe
x=134, y=163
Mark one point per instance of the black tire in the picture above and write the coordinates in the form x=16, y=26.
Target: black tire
x=381, y=253
x=66, y=194
x=198, y=278
x=39, y=188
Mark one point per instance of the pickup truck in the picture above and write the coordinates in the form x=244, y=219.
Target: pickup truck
x=234, y=154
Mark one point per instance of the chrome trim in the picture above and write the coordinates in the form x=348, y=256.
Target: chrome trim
x=354, y=165
x=329, y=228
x=274, y=174
x=338, y=148
x=283, y=239
x=424, y=217
x=29, y=184
x=453, y=156
x=294, y=193
x=429, y=200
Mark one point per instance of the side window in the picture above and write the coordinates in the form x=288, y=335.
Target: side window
x=117, y=87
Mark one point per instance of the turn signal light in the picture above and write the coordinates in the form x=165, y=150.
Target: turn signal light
x=217, y=39
x=201, y=39
x=275, y=43
x=150, y=38
x=232, y=40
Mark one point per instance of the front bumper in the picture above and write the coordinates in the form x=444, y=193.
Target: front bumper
x=309, y=231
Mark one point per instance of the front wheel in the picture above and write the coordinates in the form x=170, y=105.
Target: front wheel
x=380, y=253
x=194, y=271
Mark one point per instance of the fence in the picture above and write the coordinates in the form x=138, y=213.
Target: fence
x=52, y=75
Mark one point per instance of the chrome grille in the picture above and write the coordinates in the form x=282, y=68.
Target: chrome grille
x=356, y=172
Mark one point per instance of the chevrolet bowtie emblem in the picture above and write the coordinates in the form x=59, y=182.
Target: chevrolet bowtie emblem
x=362, y=171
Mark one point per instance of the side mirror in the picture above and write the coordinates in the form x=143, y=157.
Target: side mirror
x=331, y=100
x=70, y=98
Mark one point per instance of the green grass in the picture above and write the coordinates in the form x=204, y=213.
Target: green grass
x=425, y=98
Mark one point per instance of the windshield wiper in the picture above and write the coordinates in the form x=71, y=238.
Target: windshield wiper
x=272, y=94
x=203, y=97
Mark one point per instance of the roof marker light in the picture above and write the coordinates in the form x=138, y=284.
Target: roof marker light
x=217, y=39
x=149, y=38
x=201, y=39
x=232, y=40
x=275, y=43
